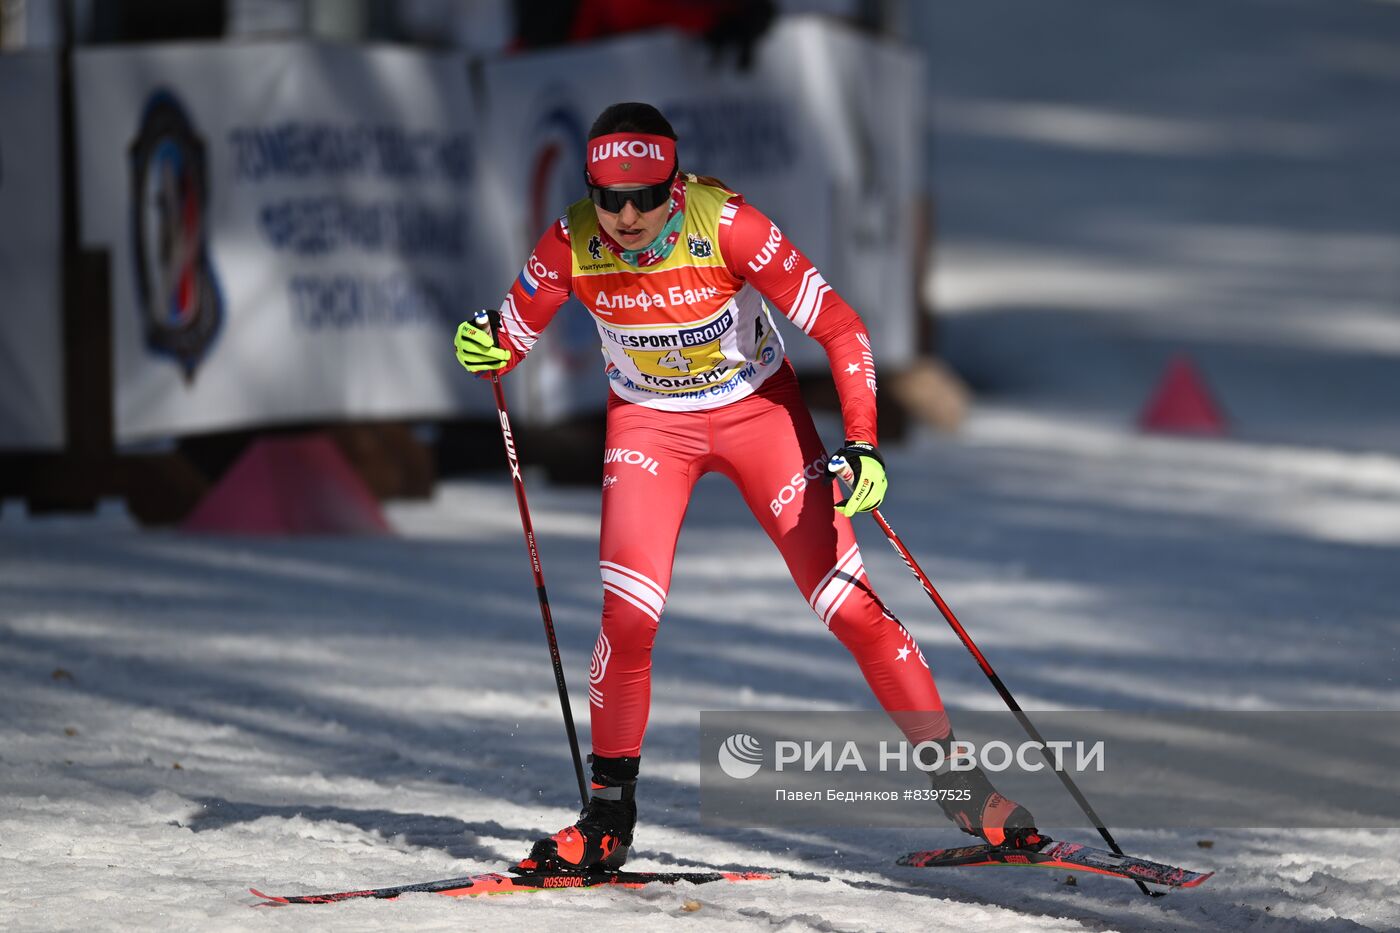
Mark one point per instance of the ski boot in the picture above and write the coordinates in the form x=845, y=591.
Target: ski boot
x=602, y=836
x=970, y=801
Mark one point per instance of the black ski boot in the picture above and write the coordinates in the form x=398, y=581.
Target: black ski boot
x=602, y=836
x=969, y=800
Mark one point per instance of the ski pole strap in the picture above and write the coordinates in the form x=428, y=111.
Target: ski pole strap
x=604, y=792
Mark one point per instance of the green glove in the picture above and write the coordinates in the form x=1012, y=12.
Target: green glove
x=477, y=350
x=863, y=469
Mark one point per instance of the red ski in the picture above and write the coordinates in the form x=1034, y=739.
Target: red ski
x=499, y=883
x=1066, y=855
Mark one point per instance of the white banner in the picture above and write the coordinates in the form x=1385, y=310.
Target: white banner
x=295, y=230
x=31, y=312
x=823, y=135
x=862, y=96
x=291, y=229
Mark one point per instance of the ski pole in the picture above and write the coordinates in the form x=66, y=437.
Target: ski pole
x=483, y=321
x=841, y=468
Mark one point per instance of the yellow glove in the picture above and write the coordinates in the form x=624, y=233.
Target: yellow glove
x=476, y=348
x=863, y=469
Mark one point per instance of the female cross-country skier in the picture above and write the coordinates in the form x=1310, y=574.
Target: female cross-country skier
x=675, y=269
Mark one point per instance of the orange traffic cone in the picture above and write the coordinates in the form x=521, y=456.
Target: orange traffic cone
x=1182, y=403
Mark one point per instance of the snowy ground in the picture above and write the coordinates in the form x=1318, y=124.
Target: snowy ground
x=323, y=714
x=1121, y=180
x=183, y=717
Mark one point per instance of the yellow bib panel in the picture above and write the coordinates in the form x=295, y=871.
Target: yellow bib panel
x=684, y=334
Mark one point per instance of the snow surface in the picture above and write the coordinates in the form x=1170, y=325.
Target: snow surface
x=183, y=717
x=347, y=712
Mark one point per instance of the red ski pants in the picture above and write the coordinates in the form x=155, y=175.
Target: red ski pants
x=766, y=443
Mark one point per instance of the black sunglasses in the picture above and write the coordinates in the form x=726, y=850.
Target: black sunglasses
x=613, y=200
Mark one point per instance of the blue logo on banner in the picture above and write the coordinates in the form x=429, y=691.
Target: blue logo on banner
x=556, y=166
x=177, y=291
x=557, y=141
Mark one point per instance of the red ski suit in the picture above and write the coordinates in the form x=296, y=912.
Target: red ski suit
x=700, y=384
